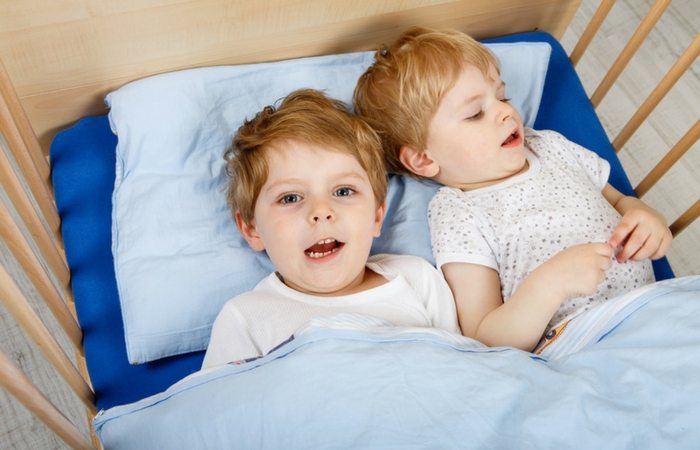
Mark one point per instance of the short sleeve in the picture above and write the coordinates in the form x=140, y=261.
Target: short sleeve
x=230, y=339
x=430, y=287
x=457, y=232
x=596, y=168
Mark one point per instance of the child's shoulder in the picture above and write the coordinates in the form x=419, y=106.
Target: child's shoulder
x=398, y=263
x=546, y=144
x=447, y=197
x=269, y=283
x=543, y=135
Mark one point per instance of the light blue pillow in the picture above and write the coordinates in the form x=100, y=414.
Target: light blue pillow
x=178, y=256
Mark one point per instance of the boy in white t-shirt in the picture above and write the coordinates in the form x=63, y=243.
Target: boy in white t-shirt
x=526, y=226
x=308, y=186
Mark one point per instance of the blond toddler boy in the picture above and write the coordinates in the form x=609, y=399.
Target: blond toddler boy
x=526, y=230
x=308, y=186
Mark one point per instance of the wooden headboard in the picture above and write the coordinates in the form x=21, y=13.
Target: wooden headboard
x=64, y=57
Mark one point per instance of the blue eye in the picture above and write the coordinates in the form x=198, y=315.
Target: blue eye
x=344, y=192
x=290, y=198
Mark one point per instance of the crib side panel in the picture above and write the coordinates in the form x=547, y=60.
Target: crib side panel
x=63, y=60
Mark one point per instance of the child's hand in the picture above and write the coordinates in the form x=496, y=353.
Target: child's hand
x=642, y=233
x=577, y=270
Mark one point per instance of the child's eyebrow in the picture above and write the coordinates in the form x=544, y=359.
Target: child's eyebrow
x=282, y=182
x=298, y=181
x=501, y=85
x=351, y=174
x=467, y=101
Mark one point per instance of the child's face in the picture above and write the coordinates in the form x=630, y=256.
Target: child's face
x=475, y=138
x=316, y=216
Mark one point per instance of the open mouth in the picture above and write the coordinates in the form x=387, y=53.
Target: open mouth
x=323, y=248
x=513, y=138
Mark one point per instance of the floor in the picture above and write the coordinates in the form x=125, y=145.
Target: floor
x=674, y=193
x=670, y=120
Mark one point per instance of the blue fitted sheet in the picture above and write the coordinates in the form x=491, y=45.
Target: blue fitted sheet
x=83, y=162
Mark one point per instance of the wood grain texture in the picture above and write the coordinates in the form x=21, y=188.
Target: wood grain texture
x=64, y=60
x=18, y=428
x=16, y=302
x=15, y=381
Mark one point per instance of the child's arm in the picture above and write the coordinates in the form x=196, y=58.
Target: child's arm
x=642, y=232
x=521, y=321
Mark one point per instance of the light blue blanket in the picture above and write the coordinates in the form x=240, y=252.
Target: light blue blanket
x=634, y=383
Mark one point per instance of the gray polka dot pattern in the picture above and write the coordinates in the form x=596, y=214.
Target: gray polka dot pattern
x=516, y=225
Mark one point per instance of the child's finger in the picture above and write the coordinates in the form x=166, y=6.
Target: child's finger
x=605, y=249
x=650, y=247
x=621, y=232
x=604, y=253
x=634, y=242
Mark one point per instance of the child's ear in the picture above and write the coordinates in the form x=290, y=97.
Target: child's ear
x=249, y=233
x=418, y=162
x=379, y=219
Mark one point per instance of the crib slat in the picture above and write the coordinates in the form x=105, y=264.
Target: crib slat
x=25, y=129
x=20, y=387
x=671, y=157
x=26, y=150
x=22, y=251
x=591, y=29
x=677, y=70
x=630, y=49
x=17, y=304
x=686, y=218
x=38, y=187
x=51, y=252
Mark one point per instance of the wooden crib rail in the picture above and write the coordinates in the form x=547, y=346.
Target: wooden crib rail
x=17, y=304
x=29, y=227
x=630, y=49
x=26, y=150
x=29, y=158
x=675, y=72
x=53, y=254
x=685, y=219
x=682, y=64
x=25, y=256
x=673, y=156
x=64, y=59
x=591, y=30
x=16, y=383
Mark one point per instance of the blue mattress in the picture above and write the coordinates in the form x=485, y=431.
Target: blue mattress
x=83, y=171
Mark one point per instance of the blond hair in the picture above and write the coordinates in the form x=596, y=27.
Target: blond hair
x=399, y=94
x=306, y=116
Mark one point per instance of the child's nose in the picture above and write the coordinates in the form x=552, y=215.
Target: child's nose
x=505, y=111
x=322, y=211
x=328, y=217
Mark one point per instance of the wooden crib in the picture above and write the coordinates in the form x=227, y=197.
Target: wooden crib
x=58, y=60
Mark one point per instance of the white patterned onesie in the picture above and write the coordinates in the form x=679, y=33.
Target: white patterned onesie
x=516, y=225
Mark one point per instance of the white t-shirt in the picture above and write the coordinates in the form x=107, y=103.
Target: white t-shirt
x=255, y=322
x=516, y=225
